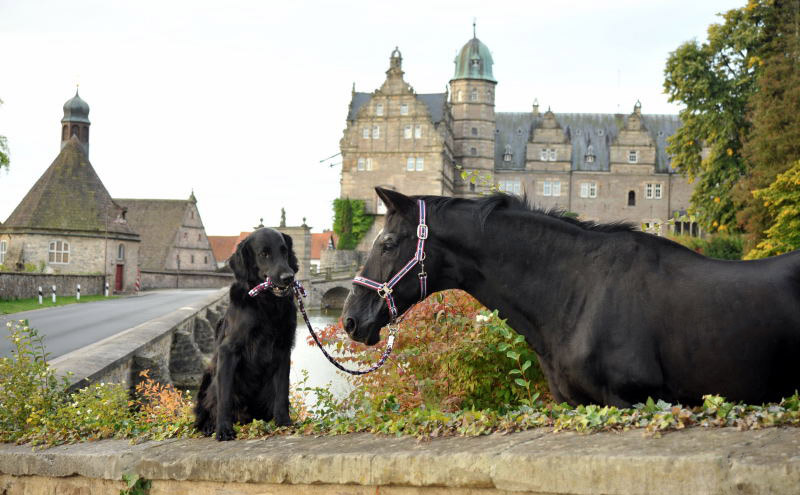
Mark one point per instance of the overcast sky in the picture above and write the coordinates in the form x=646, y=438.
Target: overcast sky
x=240, y=100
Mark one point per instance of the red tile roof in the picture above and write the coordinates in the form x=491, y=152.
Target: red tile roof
x=224, y=245
x=319, y=242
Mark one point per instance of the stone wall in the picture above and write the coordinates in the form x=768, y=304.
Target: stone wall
x=26, y=285
x=186, y=280
x=535, y=462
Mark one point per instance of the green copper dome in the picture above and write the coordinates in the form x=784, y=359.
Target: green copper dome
x=474, y=62
x=76, y=110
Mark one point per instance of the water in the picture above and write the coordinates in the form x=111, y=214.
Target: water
x=321, y=373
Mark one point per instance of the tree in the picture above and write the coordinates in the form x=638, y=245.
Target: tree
x=714, y=81
x=4, y=160
x=782, y=201
x=773, y=144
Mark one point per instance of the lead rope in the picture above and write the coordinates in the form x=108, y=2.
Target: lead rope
x=299, y=294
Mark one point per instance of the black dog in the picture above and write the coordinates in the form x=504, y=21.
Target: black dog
x=249, y=375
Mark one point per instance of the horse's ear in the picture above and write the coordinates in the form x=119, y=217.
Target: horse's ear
x=394, y=200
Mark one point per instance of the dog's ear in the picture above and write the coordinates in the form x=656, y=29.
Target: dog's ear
x=292, y=258
x=241, y=260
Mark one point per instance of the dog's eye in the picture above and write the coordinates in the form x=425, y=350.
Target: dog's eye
x=264, y=254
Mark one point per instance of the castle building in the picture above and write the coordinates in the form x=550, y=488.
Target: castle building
x=602, y=167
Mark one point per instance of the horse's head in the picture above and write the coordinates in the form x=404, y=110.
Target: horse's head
x=365, y=310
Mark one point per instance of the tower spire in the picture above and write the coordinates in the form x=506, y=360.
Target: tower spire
x=474, y=20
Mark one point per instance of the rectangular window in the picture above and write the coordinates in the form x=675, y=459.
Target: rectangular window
x=420, y=164
x=633, y=156
x=547, y=188
x=407, y=132
x=365, y=133
x=510, y=186
x=417, y=131
x=648, y=191
x=376, y=132
x=379, y=109
x=58, y=252
x=556, y=188
x=657, y=191
x=588, y=189
x=552, y=155
x=410, y=164
x=361, y=164
x=543, y=155
x=3, y=248
x=404, y=109
x=369, y=163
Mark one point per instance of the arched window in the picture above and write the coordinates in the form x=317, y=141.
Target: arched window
x=74, y=131
x=631, y=198
x=86, y=133
x=64, y=133
x=121, y=252
x=58, y=252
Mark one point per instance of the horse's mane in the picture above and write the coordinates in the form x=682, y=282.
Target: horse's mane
x=501, y=201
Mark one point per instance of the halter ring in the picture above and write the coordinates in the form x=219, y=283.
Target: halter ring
x=384, y=291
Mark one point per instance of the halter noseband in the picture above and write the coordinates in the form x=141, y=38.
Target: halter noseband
x=385, y=289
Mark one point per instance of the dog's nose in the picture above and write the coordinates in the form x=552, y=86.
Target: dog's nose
x=349, y=325
x=286, y=278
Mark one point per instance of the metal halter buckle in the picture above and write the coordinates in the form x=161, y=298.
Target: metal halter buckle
x=384, y=291
x=422, y=231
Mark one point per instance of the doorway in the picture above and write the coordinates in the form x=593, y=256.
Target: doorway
x=118, y=278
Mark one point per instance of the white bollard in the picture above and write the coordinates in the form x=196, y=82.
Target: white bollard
x=106, y=289
x=54, y=294
x=78, y=295
x=40, y=294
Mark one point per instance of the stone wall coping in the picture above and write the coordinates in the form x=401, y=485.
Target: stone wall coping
x=692, y=461
x=97, y=358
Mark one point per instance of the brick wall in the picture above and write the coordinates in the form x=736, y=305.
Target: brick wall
x=25, y=285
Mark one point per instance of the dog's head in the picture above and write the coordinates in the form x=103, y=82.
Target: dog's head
x=265, y=253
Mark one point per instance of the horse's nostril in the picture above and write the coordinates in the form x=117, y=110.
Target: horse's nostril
x=349, y=325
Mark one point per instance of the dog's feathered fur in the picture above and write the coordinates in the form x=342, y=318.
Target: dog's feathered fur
x=248, y=377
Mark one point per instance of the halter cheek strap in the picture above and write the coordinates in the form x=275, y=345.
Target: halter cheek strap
x=385, y=289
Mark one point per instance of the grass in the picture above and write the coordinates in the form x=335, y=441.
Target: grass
x=9, y=307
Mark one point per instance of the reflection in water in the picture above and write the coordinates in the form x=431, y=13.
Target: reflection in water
x=321, y=373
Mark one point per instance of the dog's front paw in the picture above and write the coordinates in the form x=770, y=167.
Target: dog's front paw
x=283, y=421
x=225, y=433
x=207, y=429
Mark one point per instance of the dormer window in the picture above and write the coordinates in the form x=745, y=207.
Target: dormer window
x=507, y=154
x=404, y=109
x=476, y=62
x=379, y=109
x=589, y=157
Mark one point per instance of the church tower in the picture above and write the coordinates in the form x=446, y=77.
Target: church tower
x=76, y=122
x=472, y=102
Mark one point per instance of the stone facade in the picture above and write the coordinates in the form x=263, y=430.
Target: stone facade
x=603, y=167
x=26, y=285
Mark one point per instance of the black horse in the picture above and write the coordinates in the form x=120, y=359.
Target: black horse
x=615, y=316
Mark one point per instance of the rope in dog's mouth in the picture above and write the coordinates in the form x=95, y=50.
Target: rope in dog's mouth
x=299, y=293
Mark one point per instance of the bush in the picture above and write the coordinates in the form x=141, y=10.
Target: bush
x=719, y=246
x=450, y=353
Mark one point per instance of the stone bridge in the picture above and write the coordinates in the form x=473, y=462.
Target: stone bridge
x=328, y=289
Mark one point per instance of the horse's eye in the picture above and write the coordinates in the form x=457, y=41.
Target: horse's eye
x=387, y=247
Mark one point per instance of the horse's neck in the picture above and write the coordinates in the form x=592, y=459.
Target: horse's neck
x=530, y=271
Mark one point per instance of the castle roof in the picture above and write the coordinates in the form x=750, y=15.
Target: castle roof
x=158, y=222
x=474, y=61
x=223, y=246
x=436, y=103
x=76, y=110
x=598, y=130
x=69, y=196
x=319, y=243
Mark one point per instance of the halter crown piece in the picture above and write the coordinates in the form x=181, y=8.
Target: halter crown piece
x=385, y=289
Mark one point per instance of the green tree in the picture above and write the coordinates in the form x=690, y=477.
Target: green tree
x=4, y=161
x=714, y=80
x=782, y=201
x=773, y=144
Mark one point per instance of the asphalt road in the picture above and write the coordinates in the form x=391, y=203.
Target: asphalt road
x=70, y=327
